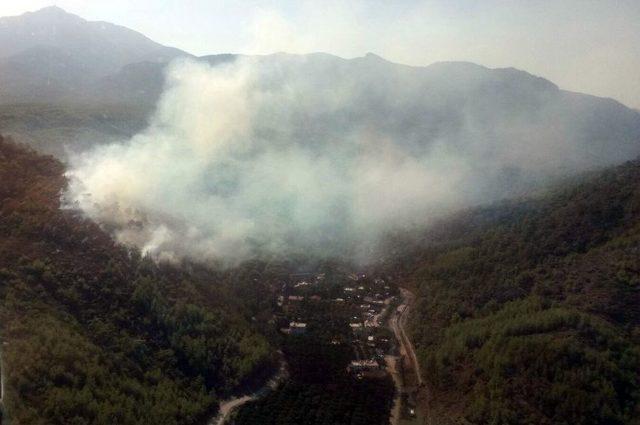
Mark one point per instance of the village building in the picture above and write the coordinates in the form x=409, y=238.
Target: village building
x=356, y=327
x=363, y=365
x=297, y=328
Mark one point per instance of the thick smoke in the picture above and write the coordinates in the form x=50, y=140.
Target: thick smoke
x=311, y=154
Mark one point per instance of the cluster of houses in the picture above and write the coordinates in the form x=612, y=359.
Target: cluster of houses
x=365, y=302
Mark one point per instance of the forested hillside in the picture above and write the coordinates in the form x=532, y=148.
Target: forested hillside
x=62, y=129
x=91, y=332
x=529, y=312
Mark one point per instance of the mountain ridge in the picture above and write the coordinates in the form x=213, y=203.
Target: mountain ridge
x=62, y=16
x=57, y=25
x=420, y=104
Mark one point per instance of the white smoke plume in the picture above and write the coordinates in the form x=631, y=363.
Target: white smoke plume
x=288, y=154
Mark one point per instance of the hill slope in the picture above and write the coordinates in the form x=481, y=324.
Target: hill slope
x=494, y=117
x=528, y=312
x=94, y=334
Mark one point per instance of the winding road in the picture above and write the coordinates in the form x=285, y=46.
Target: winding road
x=229, y=406
x=397, y=323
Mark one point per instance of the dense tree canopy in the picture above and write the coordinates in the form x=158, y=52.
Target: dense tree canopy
x=95, y=334
x=529, y=311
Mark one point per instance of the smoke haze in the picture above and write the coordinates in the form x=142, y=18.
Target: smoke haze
x=284, y=153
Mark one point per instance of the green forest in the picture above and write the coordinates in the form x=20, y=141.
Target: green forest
x=319, y=390
x=528, y=311
x=94, y=334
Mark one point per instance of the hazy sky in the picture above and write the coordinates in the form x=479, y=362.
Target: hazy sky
x=583, y=45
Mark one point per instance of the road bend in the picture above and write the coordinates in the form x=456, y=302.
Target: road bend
x=397, y=323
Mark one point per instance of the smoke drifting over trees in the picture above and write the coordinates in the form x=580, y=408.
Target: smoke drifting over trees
x=314, y=153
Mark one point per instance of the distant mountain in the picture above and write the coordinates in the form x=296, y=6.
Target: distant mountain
x=494, y=117
x=55, y=55
x=142, y=82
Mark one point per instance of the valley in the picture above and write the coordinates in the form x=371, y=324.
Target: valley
x=365, y=315
x=329, y=321
x=284, y=236
x=334, y=339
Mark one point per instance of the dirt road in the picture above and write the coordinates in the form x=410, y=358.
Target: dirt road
x=398, y=322
x=229, y=406
x=404, y=379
